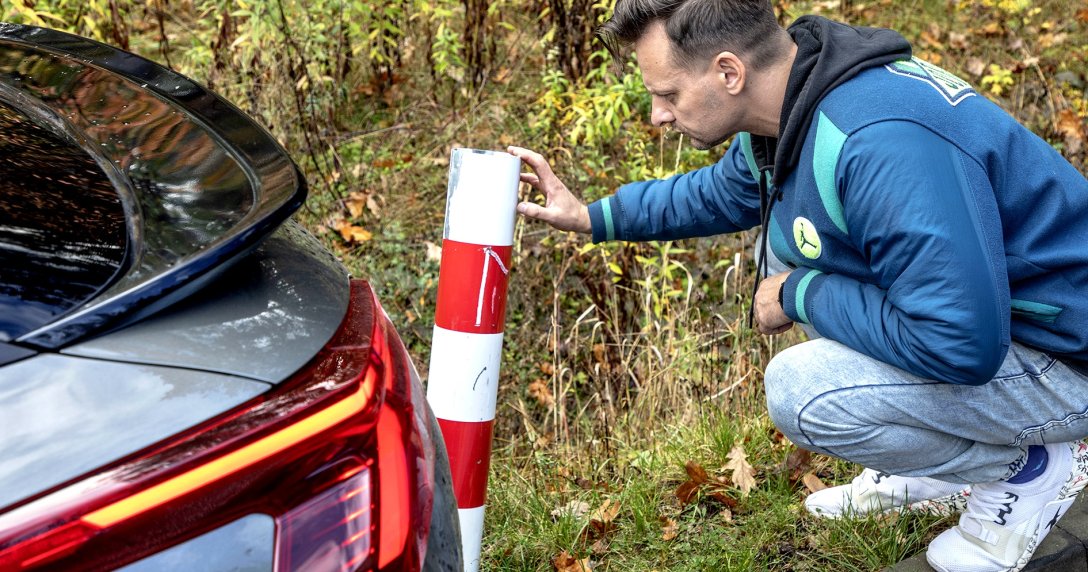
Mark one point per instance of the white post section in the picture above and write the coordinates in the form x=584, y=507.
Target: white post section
x=463, y=383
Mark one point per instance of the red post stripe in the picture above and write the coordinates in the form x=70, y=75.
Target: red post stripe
x=469, y=449
x=472, y=287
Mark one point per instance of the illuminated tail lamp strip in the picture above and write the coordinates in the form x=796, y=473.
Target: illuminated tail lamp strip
x=463, y=382
x=235, y=461
x=393, y=481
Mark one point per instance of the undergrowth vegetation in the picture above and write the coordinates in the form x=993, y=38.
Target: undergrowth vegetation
x=631, y=432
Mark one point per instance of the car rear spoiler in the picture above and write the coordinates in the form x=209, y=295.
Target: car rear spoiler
x=201, y=183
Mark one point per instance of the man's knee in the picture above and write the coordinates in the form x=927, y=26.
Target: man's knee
x=789, y=380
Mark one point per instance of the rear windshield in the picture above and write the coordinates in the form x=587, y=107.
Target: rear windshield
x=62, y=226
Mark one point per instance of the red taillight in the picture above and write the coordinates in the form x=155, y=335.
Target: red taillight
x=332, y=531
x=329, y=454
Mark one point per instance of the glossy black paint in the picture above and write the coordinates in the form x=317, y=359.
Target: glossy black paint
x=50, y=263
x=201, y=183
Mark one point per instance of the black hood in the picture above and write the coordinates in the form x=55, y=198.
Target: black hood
x=828, y=54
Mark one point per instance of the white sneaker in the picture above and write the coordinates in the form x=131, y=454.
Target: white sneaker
x=874, y=491
x=1004, y=523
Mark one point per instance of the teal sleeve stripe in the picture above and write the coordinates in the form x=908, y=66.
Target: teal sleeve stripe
x=746, y=145
x=1035, y=310
x=799, y=297
x=829, y=142
x=606, y=210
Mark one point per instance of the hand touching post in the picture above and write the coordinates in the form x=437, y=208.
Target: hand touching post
x=561, y=208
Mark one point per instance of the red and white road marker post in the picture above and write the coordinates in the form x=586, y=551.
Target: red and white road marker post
x=463, y=383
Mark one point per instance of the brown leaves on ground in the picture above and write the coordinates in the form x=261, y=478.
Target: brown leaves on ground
x=565, y=562
x=573, y=509
x=539, y=390
x=601, y=522
x=357, y=204
x=798, y=469
x=744, y=475
x=813, y=483
x=700, y=483
x=352, y=233
x=1071, y=128
x=669, y=529
x=596, y=531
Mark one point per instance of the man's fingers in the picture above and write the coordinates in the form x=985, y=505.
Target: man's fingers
x=531, y=210
x=531, y=179
x=537, y=163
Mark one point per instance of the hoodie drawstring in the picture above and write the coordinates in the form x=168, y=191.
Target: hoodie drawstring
x=766, y=201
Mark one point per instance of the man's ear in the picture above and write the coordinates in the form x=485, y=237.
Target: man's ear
x=731, y=71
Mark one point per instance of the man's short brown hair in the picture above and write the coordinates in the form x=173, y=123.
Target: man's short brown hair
x=698, y=29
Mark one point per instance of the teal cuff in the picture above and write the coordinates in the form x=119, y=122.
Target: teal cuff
x=602, y=220
x=797, y=294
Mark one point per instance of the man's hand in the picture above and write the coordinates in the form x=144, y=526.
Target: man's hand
x=561, y=208
x=770, y=318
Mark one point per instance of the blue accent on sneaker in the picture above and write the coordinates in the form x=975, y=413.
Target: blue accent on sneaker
x=1034, y=465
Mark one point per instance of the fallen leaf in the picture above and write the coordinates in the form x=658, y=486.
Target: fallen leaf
x=601, y=521
x=813, y=483
x=352, y=233
x=573, y=509
x=607, y=512
x=373, y=206
x=957, y=40
x=547, y=368
x=798, y=463
x=434, y=252
x=598, y=353
x=383, y=163
x=976, y=67
x=669, y=530
x=930, y=40
x=725, y=499
x=564, y=562
x=599, y=547
x=696, y=473
x=1072, y=129
x=686, y=491
x=991, y=29
x=1050, y=40
x=743, y=476
x=540, y=391
x=1082, y=15
x=502, y=76
x=355, y=204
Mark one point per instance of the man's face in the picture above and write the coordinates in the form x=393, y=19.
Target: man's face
x=692, y=102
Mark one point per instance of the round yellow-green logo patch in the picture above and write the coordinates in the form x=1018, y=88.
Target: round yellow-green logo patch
x=806, y=238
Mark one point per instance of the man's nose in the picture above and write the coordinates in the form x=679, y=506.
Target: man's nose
x=659, y=116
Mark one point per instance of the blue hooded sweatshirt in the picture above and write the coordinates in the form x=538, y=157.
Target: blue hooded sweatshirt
x=926, y=227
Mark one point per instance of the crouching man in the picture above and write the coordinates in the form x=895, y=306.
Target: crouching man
x=933, y=243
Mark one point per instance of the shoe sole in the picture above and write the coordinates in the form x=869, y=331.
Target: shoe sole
x=940, y=506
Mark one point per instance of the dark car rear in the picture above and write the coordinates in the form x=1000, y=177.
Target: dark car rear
x=187, y=378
